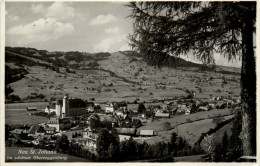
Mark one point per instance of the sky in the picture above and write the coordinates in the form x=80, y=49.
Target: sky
x=74, y=26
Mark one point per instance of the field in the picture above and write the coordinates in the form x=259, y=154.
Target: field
x=198, y=123
x=39, y=105
x=20, y=116
x=13, y=152
x=16, y=113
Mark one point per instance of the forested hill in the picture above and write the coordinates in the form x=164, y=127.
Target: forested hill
x=169, y=61
x=73, y=60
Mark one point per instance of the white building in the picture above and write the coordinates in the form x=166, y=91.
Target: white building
x=109, y=108
x=67, y=107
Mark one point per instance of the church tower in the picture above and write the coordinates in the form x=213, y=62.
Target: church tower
x=65, y=106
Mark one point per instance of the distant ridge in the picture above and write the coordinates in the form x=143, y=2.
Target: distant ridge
x=75, y=59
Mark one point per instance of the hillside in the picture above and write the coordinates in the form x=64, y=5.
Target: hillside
x=36, y=75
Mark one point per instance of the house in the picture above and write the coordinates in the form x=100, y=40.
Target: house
x=173, y=110
x=110, y=108
x=54, y=122
x=88, y=140
x=33, y=130
x=31, y=108
x=183, y=109
x=162, y=115
x=89, y=133
x=50, y=130
x=87, y=143
x=211, y=106
x=119, y=113
x=159, y=111
x=59, y=124
x=146, y=133
x=90, y=109
x=143, y=115
x=221, y=105
x=67, y=107
x=123, y=137
x=203, y=108
x=126, y=131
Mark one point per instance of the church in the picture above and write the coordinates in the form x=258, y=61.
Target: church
x=67, y=107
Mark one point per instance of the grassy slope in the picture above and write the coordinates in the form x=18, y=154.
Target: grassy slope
x=219, y=134
x=147, y=77
x=191, y=131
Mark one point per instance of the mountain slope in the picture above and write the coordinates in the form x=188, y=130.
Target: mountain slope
x=119, y=76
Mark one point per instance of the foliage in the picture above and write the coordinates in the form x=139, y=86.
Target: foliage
x=62, y=144
x=218, y=119
x=104, y=141
x=13, y=98
x=209, y=144
x=74, y=56
x=77, y=150
x=202, y=28
x=141, y=108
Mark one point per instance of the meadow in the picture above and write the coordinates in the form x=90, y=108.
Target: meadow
x=20, y=116
x=189, y=126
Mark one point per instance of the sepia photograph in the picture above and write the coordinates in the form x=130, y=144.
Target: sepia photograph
x=129, y=81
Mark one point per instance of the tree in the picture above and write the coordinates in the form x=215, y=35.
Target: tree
x=202, y=28
x=174, y=143
x=209, y=144
x=224, y=146
x=141, y=108
x=104, y=141
x=113, y=152
x=62, y=144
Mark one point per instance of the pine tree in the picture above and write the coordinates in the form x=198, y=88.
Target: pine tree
x=202, y=28
x=224, y=146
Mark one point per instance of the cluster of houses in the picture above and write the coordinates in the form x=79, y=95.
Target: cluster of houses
x=67, y=110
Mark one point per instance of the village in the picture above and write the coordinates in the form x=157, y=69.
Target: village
x=81, y=120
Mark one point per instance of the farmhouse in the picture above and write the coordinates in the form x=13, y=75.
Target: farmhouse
x=123, y=137
x=146, y=133
x=31, y=108
x=203, y=108
x=126, y=131
x=67, y=107
x=162, y=115
x=110, y=108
